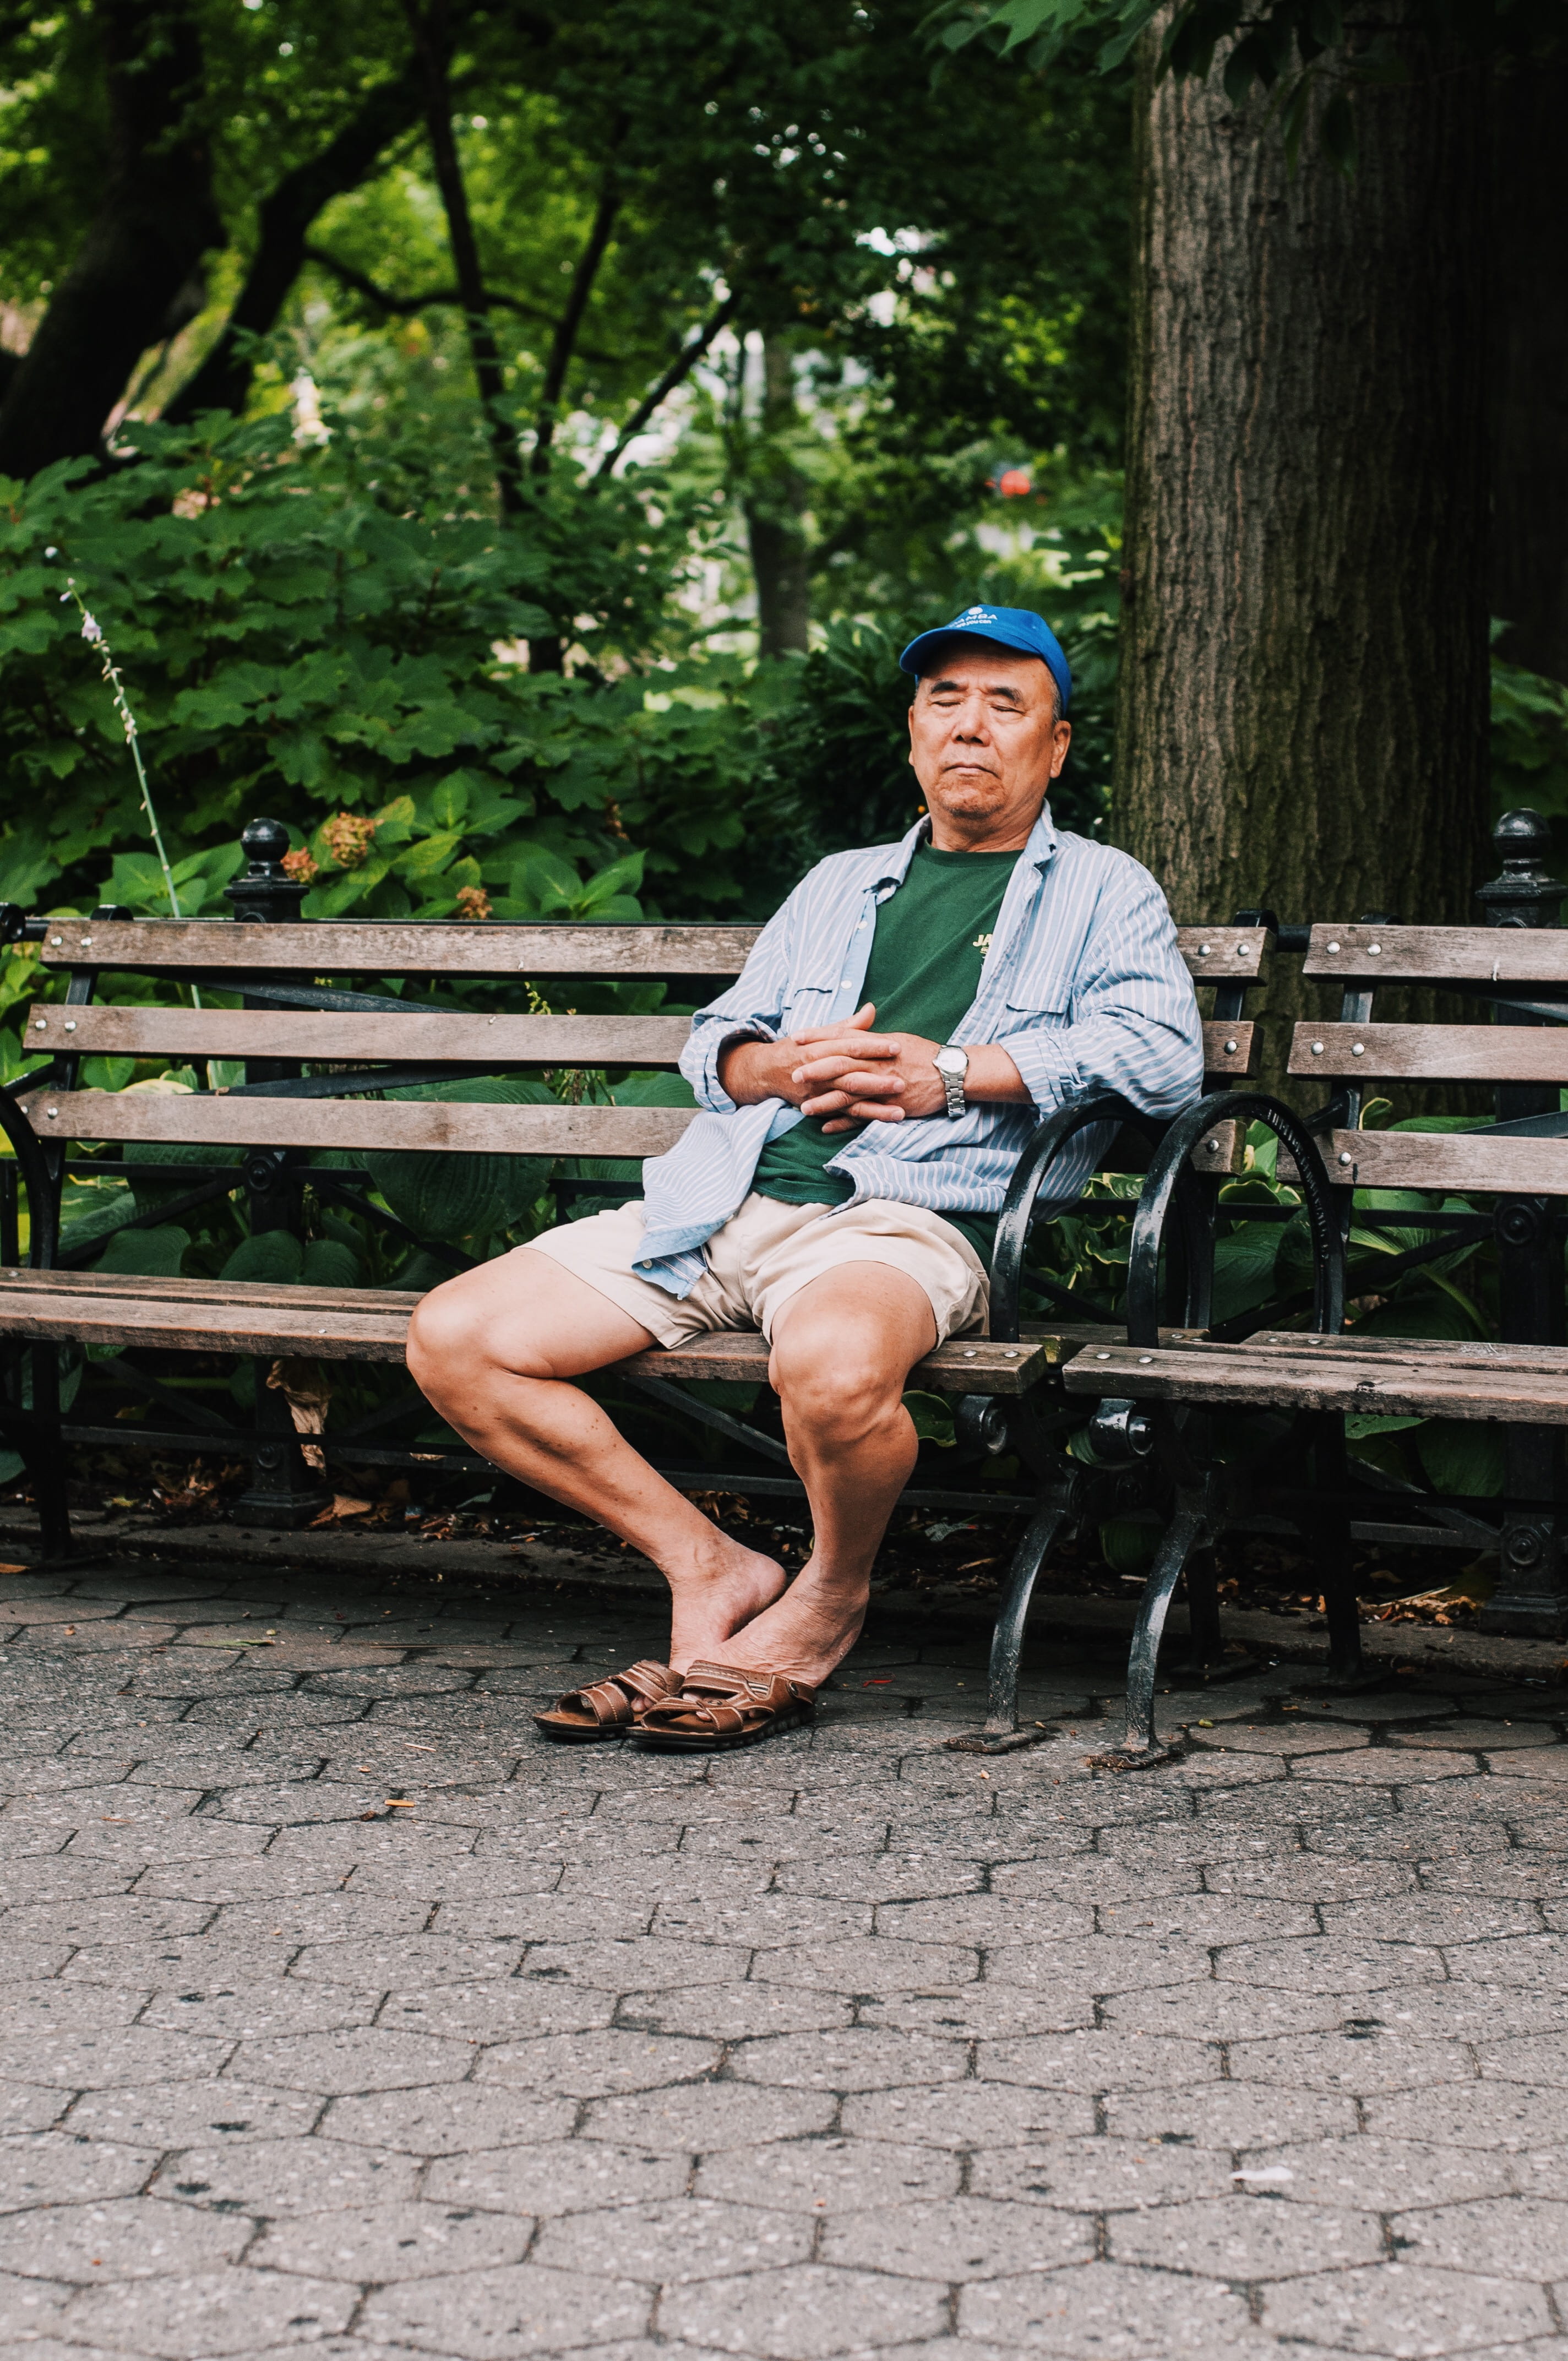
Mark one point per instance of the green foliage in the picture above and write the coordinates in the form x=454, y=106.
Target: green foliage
x=463, y=1197
x=1529, y=740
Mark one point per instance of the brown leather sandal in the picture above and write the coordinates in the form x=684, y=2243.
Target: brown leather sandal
x=607, y=1709
x=721, y=1705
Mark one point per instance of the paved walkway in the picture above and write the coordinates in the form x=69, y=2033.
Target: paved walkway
x=340, y=2018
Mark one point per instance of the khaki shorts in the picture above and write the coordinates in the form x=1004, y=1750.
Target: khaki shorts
x=766, y=1253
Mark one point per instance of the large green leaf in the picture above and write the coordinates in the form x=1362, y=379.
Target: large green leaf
x=267, y=1259
x=662, y=1090
x=448, y=1196
x=329, y=1263
x=146, y=1253
x=1462, y=1456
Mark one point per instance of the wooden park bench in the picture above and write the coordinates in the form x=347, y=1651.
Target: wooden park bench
x=321, y=1036
x=1155, y=1392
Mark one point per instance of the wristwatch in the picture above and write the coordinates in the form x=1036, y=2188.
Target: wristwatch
x=952, y=1064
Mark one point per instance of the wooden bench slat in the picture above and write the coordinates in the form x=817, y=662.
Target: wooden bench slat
x=497, y=948
x=339, y=1324
x=317, y=1036
x=207, y=1117
x=1228, y=1047
x=374, y=947
x=1416, y=1386
x=1223, y=954
x=1433, y=1053
x=1464, y=1354
x=1502, y=955
x=1444, y=1161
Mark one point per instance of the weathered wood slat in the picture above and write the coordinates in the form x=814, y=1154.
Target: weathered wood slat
x=247, y=1293
x=317, y=1323
x=426, y=1124
x=187, y=1327
x=1419, y=1386
x=1228, y=1047
x=374, y=947
x=1456, y=1160
x=321, y=1036
x=1222, y=954
x=1433, y=1053
x=1439, y=954
x=1469, y=1354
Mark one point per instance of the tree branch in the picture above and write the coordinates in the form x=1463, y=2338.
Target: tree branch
x=432, y=51
x=686, y=360
x=359, y=283
x=571, y=320
x=223, y=380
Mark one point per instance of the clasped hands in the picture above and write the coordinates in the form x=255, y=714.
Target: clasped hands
x=850, y=1075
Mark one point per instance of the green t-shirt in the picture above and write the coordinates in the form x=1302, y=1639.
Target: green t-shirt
x=931, y=939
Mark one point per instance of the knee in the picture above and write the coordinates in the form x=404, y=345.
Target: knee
x=833, y=1390
x=444, y=1336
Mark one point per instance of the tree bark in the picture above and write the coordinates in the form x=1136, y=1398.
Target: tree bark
x=223, y=380
x=1303, y=692
x=1530, y=485
x=156, y=220
x=775, y=515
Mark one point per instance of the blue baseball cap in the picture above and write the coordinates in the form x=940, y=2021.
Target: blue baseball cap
x=1010, y=627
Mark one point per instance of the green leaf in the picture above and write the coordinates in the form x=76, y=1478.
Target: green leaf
x=1126, y=1547
x=448, y=1197
x=146, y=1253
x=107, y=1073
x=267, y=1259
x=933, y=1417
x=328, y=1263
x=447, y=803
x=1462, y=1456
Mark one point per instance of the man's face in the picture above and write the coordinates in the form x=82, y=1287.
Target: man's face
x=983, y=739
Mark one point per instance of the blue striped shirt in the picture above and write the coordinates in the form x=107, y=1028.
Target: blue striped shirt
x=1083, y=985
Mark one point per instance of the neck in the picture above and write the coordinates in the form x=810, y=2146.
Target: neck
x=1001, y=833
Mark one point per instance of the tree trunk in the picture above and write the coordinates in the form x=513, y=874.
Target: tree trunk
x=1303, y=694
x=156, y=220
x=1530, y=485
x=775, y=514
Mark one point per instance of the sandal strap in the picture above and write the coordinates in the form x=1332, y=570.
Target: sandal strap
x=615, y=1700
x=724, y=1699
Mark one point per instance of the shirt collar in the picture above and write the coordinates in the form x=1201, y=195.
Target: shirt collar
x=1041, y=850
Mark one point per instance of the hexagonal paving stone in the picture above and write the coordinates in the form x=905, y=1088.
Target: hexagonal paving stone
x=1381, y=2174
x=1099, y=2061
x=51, y=2168
x=1105, y=2309
x=861, y=2059
x=1405, y=2311
x=1251, y=2236
x=708, y=2115
x=837, y=2172
x=124, y=2238
x=1365, y=2056
x=556, y=2177
x=180, y=2114
x=970, y=2114
x=1510, y=2235
x=500, y=2315
x=271, y=2176
x=1113, y=2175
x=207, y=2312
x=448, y=2120
x=805, y=2314
x=109, y=2058
x=360, y=2059
x=964, y=2238
x=674, y=2240
x=592, y=2065
x=391, y=2242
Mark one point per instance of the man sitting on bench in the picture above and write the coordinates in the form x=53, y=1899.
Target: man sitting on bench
x=904, y=1022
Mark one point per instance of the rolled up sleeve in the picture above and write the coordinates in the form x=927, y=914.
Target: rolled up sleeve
x=1132, y=1027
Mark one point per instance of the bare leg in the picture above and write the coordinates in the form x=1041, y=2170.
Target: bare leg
x=492, y=1351
x=843, y=1349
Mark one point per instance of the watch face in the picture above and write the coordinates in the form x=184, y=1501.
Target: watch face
x=950, y=1060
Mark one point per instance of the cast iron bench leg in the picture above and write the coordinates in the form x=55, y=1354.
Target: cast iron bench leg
x=45, y=1457
x=1002, y=1733
x=1329, y=1534
x=1186, y=1532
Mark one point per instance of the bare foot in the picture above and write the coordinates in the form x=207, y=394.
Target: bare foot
x=710, y=1602
x=810, y=1629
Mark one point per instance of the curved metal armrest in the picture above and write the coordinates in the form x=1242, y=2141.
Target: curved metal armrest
x=42, y=1204
x=1031, y=1173
x=1166, y=1175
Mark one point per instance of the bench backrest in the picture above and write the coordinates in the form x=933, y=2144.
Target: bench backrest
x=365, y=1042
x=1518, y=1045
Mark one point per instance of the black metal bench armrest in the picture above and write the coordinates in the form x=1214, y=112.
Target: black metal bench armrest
x=42, y=1201
x=1029, y=1178
x=1164, y=1188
